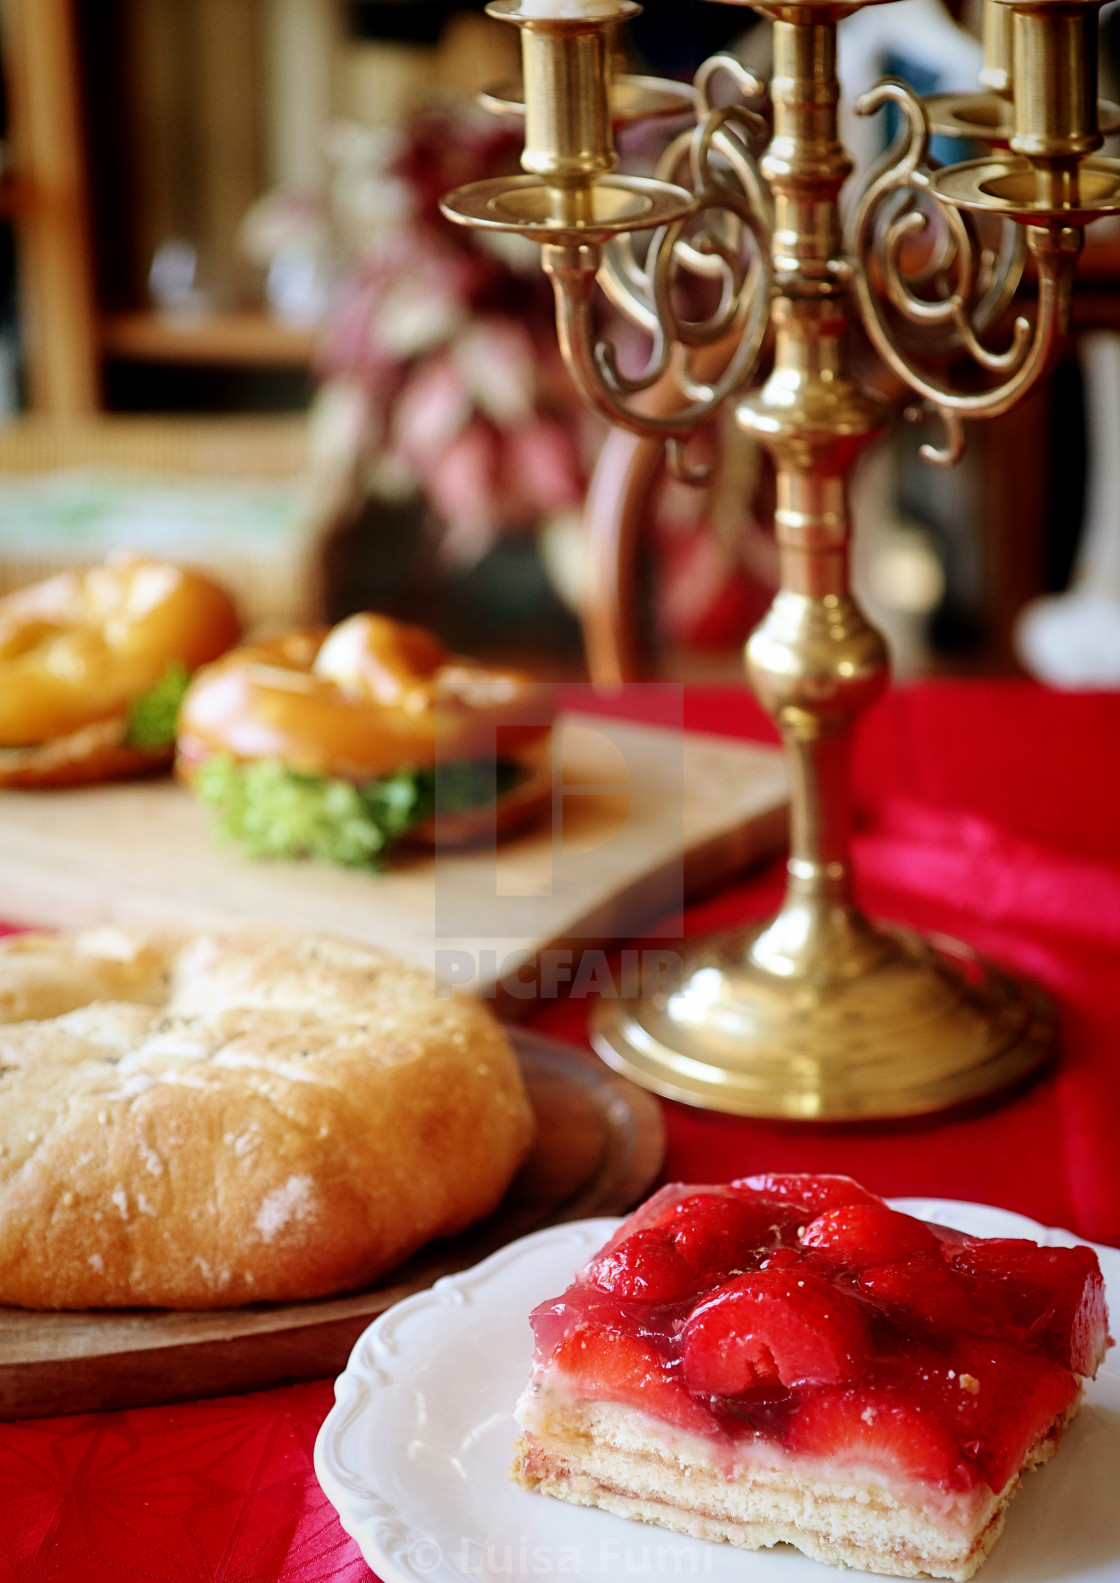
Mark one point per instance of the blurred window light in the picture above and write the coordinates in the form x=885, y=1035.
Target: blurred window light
x=173, y=277
x=906, y=574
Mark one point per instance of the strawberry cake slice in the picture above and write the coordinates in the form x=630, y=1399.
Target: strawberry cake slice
x=787, y=1359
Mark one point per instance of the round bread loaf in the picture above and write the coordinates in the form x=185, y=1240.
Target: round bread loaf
x=199, y=1121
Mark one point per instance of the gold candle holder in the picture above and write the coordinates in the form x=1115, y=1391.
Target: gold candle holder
x=1055, y=56
x=1049, y=175
x=630, y=96
x=819, y=1013
x=568, y=138
x=981, y=117
x=990, y=117
x=570, y=192
x=996, y=70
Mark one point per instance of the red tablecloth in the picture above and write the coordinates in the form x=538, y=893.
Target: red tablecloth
x=991, y=811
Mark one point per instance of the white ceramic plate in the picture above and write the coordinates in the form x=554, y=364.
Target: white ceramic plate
x=416, y=1451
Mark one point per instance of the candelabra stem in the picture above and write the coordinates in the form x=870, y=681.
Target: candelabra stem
x=815, y=662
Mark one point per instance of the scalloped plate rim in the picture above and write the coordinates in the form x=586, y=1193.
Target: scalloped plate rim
x=394, y=1549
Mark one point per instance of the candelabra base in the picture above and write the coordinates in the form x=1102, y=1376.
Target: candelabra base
x=929, y=1025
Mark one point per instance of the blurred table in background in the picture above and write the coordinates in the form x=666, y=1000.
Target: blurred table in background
x=244, y=498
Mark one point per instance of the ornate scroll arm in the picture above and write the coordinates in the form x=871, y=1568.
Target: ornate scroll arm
x=989, y=276
x=573, y=271
x=622, y=276
x=1033, y=349
x=740, y=319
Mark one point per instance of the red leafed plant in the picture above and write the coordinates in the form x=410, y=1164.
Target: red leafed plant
x=450, y=337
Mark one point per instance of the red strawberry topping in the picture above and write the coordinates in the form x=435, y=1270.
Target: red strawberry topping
x=997, y=1401
x=880, y=1429
x=861, y=1235
x=692, y=1244
x=717, y=1232
x=646, y=1266
x=786, y=1326
x=616, y=1365
x=815, y=1193
x=927, y=1295
x=1054, y=1297
x=804, y=1310
x=783, y=1259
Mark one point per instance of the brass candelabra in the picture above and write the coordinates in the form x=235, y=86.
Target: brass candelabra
x=817, y=1014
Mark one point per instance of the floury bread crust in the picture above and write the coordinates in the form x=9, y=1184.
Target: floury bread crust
x=200, y=1121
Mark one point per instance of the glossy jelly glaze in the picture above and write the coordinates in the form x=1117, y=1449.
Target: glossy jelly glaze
x=803, y=1311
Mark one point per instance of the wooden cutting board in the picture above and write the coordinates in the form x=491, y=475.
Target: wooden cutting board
x=644, y=818
x=599, y=1146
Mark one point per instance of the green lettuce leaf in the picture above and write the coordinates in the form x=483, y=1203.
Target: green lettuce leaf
x=152, y=716
x=272, y=811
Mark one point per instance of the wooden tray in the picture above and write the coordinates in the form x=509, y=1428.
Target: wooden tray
x=599, y=1147
x=650, y=818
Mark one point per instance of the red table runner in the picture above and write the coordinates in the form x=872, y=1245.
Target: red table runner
x=990, y=811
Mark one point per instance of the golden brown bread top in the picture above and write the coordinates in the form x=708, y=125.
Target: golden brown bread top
x=200, y=1121
x=80, y=647
x=361, y=701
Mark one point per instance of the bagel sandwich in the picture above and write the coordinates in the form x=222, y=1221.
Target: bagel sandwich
x=338, y=744
x=94, y=665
